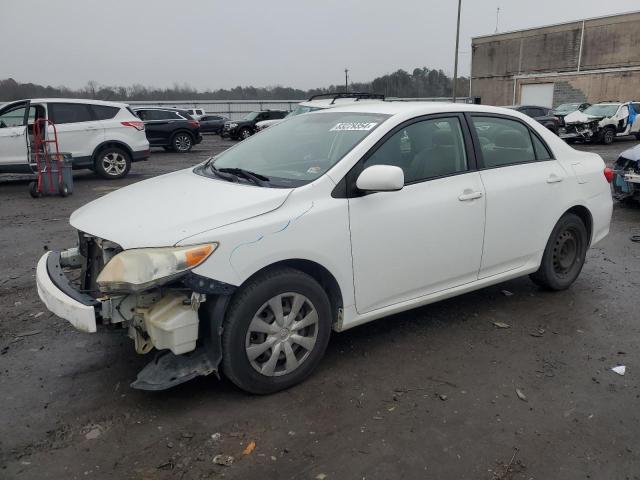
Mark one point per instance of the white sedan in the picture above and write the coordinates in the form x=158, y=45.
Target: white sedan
x=247, y=262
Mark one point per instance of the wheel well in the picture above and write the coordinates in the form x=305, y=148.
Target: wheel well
x=182, y=131
x=585, y=216
x=323, y=276
x=113, y=144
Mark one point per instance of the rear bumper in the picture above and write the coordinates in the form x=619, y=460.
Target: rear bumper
x=140, y=155
x=61, y=298
x=198, y=138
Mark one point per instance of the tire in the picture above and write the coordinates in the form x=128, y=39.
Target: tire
x=182, y=142
x=564, y=254
x=112, y=163
x=246, y=335
x=638, y=136
x=608, y=136
x=33, y=190
x=63, y=189
x=245, y=133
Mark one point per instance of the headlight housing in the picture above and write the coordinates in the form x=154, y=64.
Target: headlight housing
x=142, y=268
x=233, y=125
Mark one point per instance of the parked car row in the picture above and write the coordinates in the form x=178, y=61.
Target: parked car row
x=105, y=137
x=102, y=136
x=600, y=122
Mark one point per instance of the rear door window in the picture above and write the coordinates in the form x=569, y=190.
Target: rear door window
x=104, y=112
x=503, y=142
x=70, y=113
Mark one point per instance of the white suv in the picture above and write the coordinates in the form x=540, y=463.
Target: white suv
x=103, y=136
x=322, y=102
x=325, y=222
x=196, y=113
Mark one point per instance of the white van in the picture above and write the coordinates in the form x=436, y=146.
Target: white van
x=102, y=136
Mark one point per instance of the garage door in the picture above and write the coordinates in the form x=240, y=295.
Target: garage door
x=539, y=94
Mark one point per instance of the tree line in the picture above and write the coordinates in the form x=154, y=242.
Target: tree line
x=422, y=82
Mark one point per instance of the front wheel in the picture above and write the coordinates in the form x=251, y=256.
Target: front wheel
x=112, y=163
x=276, y=331
x=245, y=133
x=564, y=254
x=608, y=136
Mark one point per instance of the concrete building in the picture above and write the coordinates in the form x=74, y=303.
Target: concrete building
x=591, y=60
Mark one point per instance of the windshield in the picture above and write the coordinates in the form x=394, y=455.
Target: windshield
x=299, y=150
x=300, y=109
x=251, y=116
x=567, y=107
x=601, y=110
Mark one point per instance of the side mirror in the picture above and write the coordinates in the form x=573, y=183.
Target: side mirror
x=381, y=178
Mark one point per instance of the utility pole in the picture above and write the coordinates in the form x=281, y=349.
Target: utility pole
x=497, y=18
x=346, y=80
x=455, y=66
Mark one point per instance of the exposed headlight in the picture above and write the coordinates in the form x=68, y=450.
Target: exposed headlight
x=139, y=269
x=233, y=125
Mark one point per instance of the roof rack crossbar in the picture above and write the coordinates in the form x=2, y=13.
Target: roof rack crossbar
x=357, y=95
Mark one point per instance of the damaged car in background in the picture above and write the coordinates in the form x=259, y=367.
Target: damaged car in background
x=245, y=263
x=626, y=182
x=602, y=122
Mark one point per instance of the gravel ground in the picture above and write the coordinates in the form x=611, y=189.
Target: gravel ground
x=430, y=393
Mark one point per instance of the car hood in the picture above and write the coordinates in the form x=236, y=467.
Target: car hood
x=580, y=117
x=632, y=154
x=164, y=210
x=268, y=123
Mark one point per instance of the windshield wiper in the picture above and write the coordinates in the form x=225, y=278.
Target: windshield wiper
x=222, y=175
x=254, y=177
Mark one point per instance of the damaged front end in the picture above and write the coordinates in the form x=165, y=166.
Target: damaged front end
x=626, y=181
x=152, y=294
x=589, y=130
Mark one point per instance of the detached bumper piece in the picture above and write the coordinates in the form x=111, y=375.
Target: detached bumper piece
x=167, y=370
x=60, y=297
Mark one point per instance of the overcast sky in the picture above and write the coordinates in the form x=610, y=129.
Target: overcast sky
x=212, y=44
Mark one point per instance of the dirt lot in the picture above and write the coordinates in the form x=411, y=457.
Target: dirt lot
x=430, y=393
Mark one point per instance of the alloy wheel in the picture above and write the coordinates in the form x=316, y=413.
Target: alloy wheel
x=114, y=163
x=182, y=143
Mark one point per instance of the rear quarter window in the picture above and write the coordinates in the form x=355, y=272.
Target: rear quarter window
x=104, y=112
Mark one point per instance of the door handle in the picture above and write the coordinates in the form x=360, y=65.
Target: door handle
x=553, y=178
x=469, y=195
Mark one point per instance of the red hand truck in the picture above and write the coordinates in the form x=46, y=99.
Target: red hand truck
x=50, y=164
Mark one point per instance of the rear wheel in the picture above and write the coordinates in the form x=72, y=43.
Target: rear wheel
x=564, y=254
x=182, y=142
x=276, y=331
x=112, y=163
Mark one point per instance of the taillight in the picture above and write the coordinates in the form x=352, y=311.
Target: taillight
x=609, y=174
x=194, y=123
x=137, y=125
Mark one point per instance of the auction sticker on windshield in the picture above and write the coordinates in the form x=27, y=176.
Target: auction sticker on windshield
x=354, y=126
